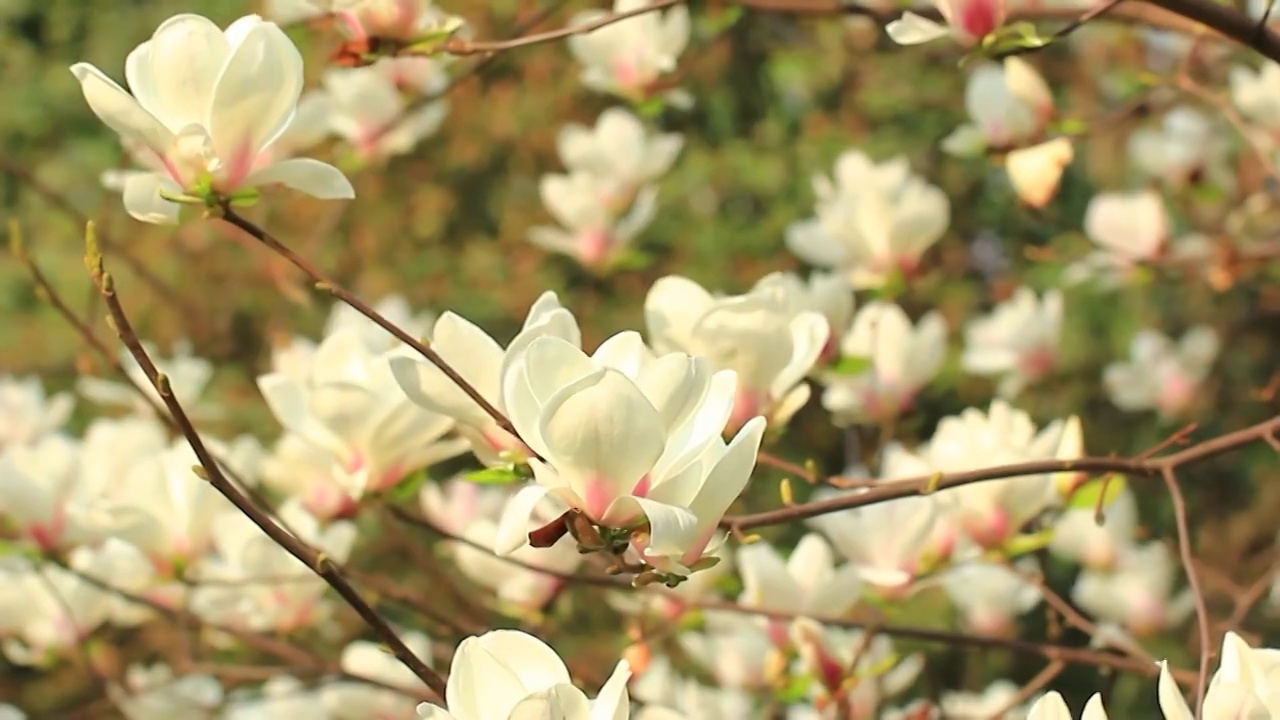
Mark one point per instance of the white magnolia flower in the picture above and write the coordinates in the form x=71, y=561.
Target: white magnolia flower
x=824, y=292
x=26, y=412
x=1246, y=685
x=968, y=22
x=188, y=376
x=1017, y=341
x=128, y=569
x=471, y=512
x=46, y=612
x=892, y=543
x=253, y=583
x=597, y=220
x=991, y=512
x=1009, y=104
x=1186, y=146
x=368, y=109
x=901, y=359
x=1053, y=707
x=352, y=414
x=984, y=705
x=207, y=103
x=511, y=674
x=37, y=481
x=990, y=596
x=482, y=362
x=282, y=697
x=10, y=712
x=627, y=58
x=1078, y=537
x=401, y=20
x=1035, y=172
x=1129, y=229
x=154, y=693
x=619, y=152
x=872, y=220
x=736, y=652
x=1136, y=593
x=1255, y=94
x=296, y=356
x=807, y=583
x=1162, y=375
x=761, y=335
x=669, y=696
x=865, y=670
x=626, y=436
x=354, y=700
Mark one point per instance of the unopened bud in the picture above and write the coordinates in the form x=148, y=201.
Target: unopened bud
x=549, y=534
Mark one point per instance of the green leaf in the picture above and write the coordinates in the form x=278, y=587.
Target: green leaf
x=851, y=365
x=1023, y=544
x=650, y=107
x=494, y=476
x=1014, y=39
x=716, y=23
x=1086, y=496
x=408, y=488
x=796, y=689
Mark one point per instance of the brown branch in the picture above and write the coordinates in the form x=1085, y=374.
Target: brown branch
x=318, y=562
x=324, y=282
x=1193, y=580
x=458, y=46
x=894, y=489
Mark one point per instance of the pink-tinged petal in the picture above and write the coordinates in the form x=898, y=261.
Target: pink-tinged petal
x=561, y=701
x=142, y=200
x=174, y=76
x=672, y=530
x=912, y=29
x=612, y=703
x=513, y=528
x=120, y=111
x=256, y=95
x=315, y=178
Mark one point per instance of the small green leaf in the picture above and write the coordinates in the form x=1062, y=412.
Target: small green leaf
x=407, y=489
x=851, y=365
x=1086, y=496
x=1023, y=544
x=494, y=476
x=796, y=689
x=630, y=259
x=650, y=107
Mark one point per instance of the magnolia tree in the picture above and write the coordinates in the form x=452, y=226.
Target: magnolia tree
x=832, y=492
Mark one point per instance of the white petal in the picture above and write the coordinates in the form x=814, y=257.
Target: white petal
x=1093, y=710
x=256, y=94
x=562, y=701
x=513, y=528
x=141, y=195
x=911, y=29
x=174, y=74
x=612, y=703
x=120, y=111
x=315, y=178
x=1172, y=703
x=1050, y=707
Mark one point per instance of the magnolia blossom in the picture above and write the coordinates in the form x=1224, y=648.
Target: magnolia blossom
x=126, y=568
x=483, y=363
x=984, y=705
x=368, y=108
x=968, y=22
x=282, y=697
x=151, y=692
x=45, y=611
x=901, y=359
x=405, y=21
x=619, y=152
x=471, y=512
x=1246, y=685
x=1254, y=94
x=354, y=700
x=597, y=223
x=627, y=58
x=37, y=482
x=990, y=596
x=296, y=356
x=992, y=512
x=1181, y=150
x=348, y=412
x=1009, y=104
x=1053, y=707
x=736, y=652
x=892, y=543
x=872, y=220
x=1079, y=538
x=511, y=674
x=26, y=412
x=669, y=696
x=807, y=583
x=761, y=336
x=1162, y=375
x=1017, y=341
x=1135, y=595
x=1036, y=171
x=188, y=376
x=1128, y=228
x=9, y=712
x=626, y=437
x=824, y=292
x=207, y=103
x=834, y=656
x=255, y=584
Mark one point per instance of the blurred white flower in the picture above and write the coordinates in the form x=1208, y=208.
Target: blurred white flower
x=296, y=356
x=26, y=412
x=901, y=359
x=207, y=103
x=1017, y=341
x=1035, y=172
x=628, y=57
x=807, y=583
x=595, y=226
x=1135, y=594
x=482, y=362
x=37, y=482
x=892, y=543
x=253, y=583
x=127, y=569
x=967, y=22
x=1128, y=228
x=835, y=656
x=511, y=674
x=1052, y=707
x=351, y=412
x=1009, y=105
x=619, y=152
x=46, y=612
x=1162, y=375
x=738, y=654
x=188, y=377
x=1185, y=147
x=626, y=436
x=1244, y=686
x=406, y=21
x=471, y=512
x=995, y=698
x=824, y=292
x=669, y=696
x=990, y=596
x=762, y=336
x=282, y=697
x=153, y=692
x=1257, y=94
x=355, y=700
x=9, y=712
x=1079, y=538
x=368, y=109
x=872, y=220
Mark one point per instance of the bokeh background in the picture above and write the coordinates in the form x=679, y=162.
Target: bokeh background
x=777, y=98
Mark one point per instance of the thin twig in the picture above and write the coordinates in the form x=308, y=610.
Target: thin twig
x=1193, y=580
x=458, y=46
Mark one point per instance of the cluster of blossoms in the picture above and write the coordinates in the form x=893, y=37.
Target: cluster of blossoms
x=622, y=459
